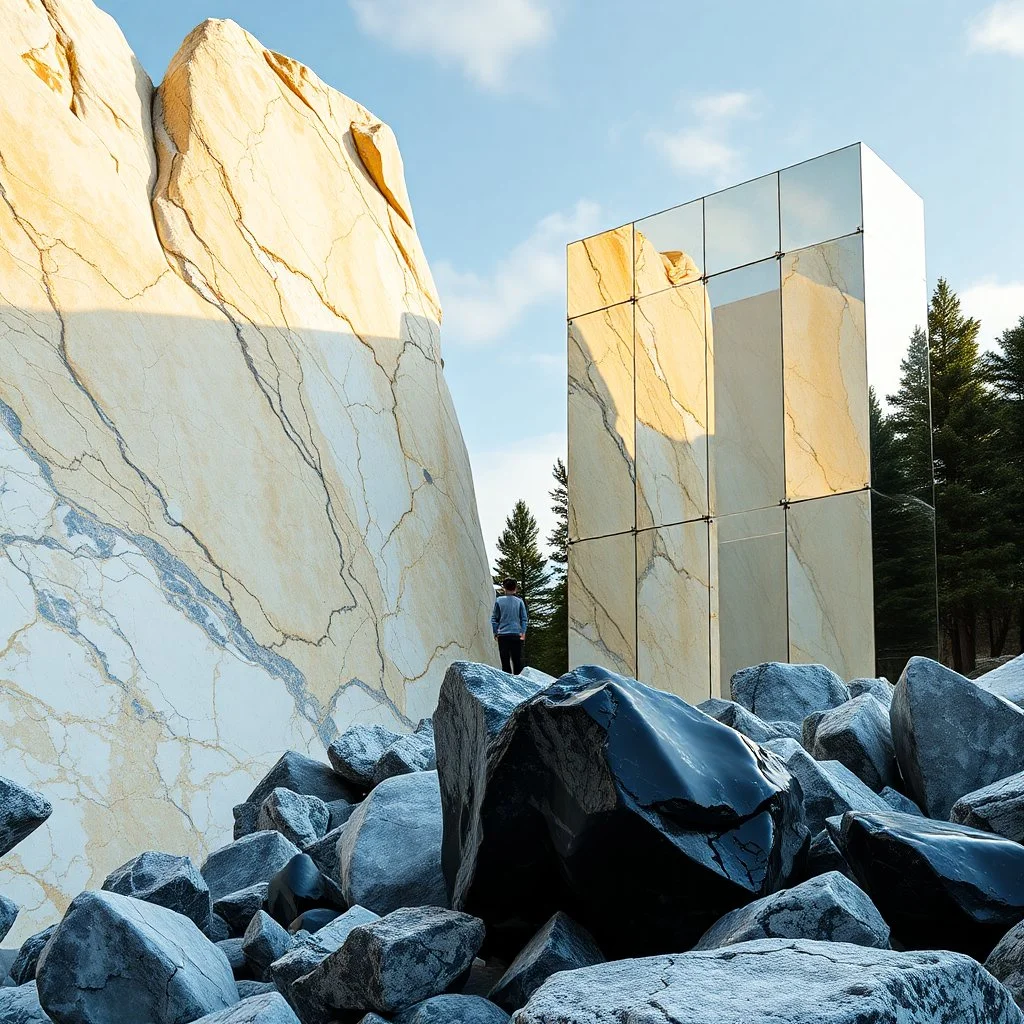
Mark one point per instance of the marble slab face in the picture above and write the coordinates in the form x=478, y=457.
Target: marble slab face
x=671, y=406
x=673, y=610
x=668, y=248
x=602, y=603
x=741, y=224
x=600, y=270
x=820, y=199
x=745, y=360
x=750, y=588
x=236, y=510
x=831, y=617
x=825, y=372
x=602, y=428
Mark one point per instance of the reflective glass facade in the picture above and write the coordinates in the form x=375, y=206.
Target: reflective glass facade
x=730, y=501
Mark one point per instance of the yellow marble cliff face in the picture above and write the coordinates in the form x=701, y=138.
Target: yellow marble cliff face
x=233, y=490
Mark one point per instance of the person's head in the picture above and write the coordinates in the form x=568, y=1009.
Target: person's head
x=510, y=585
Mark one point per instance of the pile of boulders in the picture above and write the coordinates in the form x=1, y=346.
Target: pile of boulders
x=585, y=849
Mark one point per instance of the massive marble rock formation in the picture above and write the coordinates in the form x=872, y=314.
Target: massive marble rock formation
x=233, y=491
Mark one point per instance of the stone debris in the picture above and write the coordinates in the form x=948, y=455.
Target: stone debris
x=997, y=807
x=167, y=880
x=858, y=735
x=776, y=691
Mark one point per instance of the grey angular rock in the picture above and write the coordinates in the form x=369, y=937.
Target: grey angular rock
x=1006, y=962
x=998, y=808
x=313, y=950
x=898, y=802
x=858, y=735
x=113, y=958
x=809, y=727
x=827, y=908
x=775, y=691
x=560, y=945
x=737, y=717
x=247, y=861
x=8, y=915
x=247, y=987
x=828, y=787
x=951, y=735
x=302, y=774
x=452, y=1009
x=823, y=856
x=1006, y=681
x=534, y=675
x=355, y=753
x=302, y=819
x=880, y=688
x=232, y=949
x=219, y=929
x=23, y=970
x=262, y=1008
x=22, y=811
x=778, y=981
x=411, y=753
x=264, y=942
x=247, y=818
x=324, y=853
x=339, y=811
x=166, y=880
x=389, y=855
x=391, y=964
x=20, y=1005
x=239, y=908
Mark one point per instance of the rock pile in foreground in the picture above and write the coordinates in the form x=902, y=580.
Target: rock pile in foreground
x=583, y=850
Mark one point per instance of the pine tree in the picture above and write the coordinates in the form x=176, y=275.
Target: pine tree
x=556, y=647
x=520, y=559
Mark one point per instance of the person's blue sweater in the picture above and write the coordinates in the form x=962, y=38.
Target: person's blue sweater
x=509, y=616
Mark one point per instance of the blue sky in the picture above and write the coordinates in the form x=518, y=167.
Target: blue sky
x=527, y=123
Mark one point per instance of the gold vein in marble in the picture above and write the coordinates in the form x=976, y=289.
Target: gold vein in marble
x=600, y=271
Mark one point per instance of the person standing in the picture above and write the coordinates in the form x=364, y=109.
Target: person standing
x=508, y=623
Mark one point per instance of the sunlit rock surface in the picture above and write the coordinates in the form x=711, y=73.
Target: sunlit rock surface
x=233, y=491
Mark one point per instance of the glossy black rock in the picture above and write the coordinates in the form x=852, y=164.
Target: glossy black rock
x=939, y=886
x=299, y=886
x=638, y=815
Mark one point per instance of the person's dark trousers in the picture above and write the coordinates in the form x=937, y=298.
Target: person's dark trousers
x=510, y=647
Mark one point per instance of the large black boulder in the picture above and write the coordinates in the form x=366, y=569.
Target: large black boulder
x=951, y=736
x=998, y=807
x=389, y=855
x=858, y=735
x=20, y=1005
x=778, y=981
x=639, y=816
x=167, y=880
x=560, y=945
x=114, y=958
x=938, y=885
x=302, y=774
x=247, y=861
x=22, y=811
x=776, y=691
x=829, y=908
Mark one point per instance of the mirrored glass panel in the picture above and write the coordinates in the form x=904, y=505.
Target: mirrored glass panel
x=602, y=603
x=602, y=498
x=825, y=369
x=671, y=407
x=903, y=545
x=741, y=224
x=674, y=610
x=750, y=590
x=745, y=368
x=831, y=617
x=820, y=199
x=668, y=248
x=600, y=270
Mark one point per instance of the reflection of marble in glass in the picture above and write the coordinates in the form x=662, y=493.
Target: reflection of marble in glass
x=669, y=248
x=600, y=271
x=671, y=407
x=741, y=224
x=750, y=580
x=746, y=445
x=602, y=603
x=831, y=619
x=601, y=423
x=673, y=610
x=825, y=371
x=820, y=198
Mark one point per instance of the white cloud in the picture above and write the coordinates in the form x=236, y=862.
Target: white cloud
x=479, y=308
x=483, y=39
x=503, y=475
x=705, y=147
x=999, y=28
x=997, y=306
